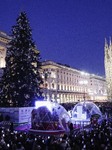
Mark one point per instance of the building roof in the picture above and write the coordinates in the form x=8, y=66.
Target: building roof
x=48, y=62
x=4, y=35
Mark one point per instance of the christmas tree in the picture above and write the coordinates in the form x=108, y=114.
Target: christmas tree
x=20, y=84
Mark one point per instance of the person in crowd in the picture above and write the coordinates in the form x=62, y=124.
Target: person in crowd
x=11, y=127
x=19, y=146
x=71, y=128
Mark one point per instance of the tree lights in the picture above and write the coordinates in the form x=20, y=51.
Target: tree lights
x=21, y=80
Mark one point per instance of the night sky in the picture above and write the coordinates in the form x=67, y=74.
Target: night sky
x=66, y=31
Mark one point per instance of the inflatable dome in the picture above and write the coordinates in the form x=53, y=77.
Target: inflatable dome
x=49, y=116
x=85, y=110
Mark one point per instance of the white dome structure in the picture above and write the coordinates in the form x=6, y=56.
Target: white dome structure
x=85, y=110
x=49, y=116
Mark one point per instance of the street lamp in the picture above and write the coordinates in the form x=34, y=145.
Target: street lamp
x=84, y=83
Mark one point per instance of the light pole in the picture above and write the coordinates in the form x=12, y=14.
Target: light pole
x=84, y=83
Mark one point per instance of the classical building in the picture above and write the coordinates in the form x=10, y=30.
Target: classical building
x=108, y=67
x=4, y=39
x=63, y=83
x=66, y=84
x=97, y=88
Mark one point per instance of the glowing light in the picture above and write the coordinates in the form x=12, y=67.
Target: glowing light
x=83, y=82
x=48, y=104
x=84, y=73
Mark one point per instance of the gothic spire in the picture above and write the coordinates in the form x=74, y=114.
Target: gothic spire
x=110, y=41
x=106, y=44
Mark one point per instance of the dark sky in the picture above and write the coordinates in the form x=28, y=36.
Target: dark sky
x=66, y=31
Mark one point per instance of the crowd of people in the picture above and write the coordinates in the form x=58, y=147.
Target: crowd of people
x=93, y=137
x=98, y=137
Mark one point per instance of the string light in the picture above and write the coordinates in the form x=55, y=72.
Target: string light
x=19, y=74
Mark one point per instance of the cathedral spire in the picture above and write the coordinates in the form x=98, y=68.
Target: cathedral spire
x=108, y=67
x=110, y=41
x=106, y=44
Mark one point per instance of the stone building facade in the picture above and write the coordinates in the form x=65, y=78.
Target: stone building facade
x=63, y=83
x=4, y=39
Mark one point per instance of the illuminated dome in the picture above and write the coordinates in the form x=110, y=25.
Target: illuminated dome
x=49, y=116
x=85, y=110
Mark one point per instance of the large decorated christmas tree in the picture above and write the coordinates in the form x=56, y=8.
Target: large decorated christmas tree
x=20, y=84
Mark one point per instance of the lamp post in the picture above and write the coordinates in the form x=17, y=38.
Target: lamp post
x=84, y=83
